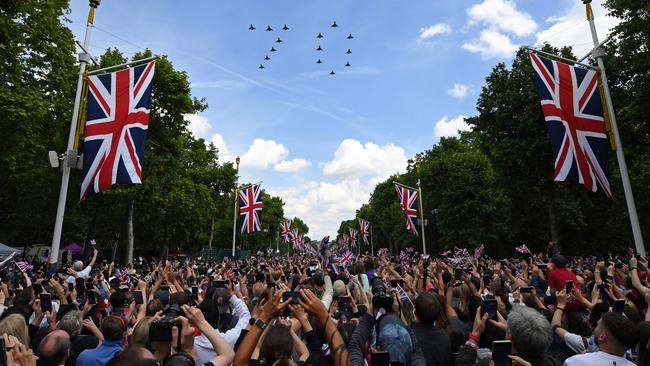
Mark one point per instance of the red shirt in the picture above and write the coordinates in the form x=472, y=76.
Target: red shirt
x=557, y=279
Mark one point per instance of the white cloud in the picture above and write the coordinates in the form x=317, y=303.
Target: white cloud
x=458, y=91
x=230, y=84
x=504, y=15
x=198, y=125
x=572, y=28
x=491, y=44
x=353, y=159
x=263, y=153
x=434, y=30
x=446, y=127
x=220, y=144
x=291, y=166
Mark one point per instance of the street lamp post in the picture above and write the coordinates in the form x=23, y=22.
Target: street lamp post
x=234, y=215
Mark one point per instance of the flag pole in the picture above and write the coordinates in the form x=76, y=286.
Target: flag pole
x=372, y=244
x=71, y=156
x=424, y=240
x=599, y=54
x=234, y=214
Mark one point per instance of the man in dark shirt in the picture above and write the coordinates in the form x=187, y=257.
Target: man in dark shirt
x=434, y=341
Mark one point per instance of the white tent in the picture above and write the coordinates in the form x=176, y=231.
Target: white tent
x=7, y=250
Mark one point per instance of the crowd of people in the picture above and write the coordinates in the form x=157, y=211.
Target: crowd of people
x=390, y=309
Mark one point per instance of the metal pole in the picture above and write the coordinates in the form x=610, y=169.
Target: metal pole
x=234, y=214
x=372, y=244
x=627, y=187
x=424, y=240
x=63, y=193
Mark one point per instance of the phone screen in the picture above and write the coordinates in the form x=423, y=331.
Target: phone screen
x=46, y=302
x=500, y=352
x=37, y=288
x=70, y=286
x=91, y=297
x=394, y=283
x=293, y=296
x=380, y=359
x=489, y=307
x=526, y=290
x=137, y=296
x=219, y=284
x=569, y=286
x=619, y=305
x=79, y=283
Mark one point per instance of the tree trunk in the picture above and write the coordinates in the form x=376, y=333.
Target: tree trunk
x=129, y=233
x=552, y=218
x=211, y=233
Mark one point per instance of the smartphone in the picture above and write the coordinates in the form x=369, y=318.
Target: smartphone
x=37, y=288
x=489, y=307
x=219, y=284
x=70, y=286
x=46, y=302
x=486, y=280
x=380, y=359
x=137, y=296
x=458, y=272
x=500, y=352
x=619, y=305
x=91, y=297
x=79, y=284
x=343, y=300
x=164, y=288
x=89, y=285
x=291, y=295
x=526, y=290
x=395, y=283
x=3, y=351
x=568, y=286
x=195, y=290
x=542, y=266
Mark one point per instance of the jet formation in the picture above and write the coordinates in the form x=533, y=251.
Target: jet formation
x=320, y=36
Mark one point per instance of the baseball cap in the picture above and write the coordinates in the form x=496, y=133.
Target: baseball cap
x=339, y=288
x=395, y=339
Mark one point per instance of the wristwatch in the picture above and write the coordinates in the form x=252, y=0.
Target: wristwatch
x=260, y=323
x=251, y=321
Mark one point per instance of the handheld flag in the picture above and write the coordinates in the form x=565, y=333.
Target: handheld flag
x=576, y=125
x=523, y=249
x=364, y=228
x=353, y=237
x=24, y=266
x=117, y=120
x=250, y=208
x=478, y=251
x=408, y=202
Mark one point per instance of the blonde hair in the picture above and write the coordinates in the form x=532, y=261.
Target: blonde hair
x=140, y=335
x=16, y=326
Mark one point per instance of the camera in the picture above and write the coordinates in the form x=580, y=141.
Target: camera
x=381, y=299
x=161, y=330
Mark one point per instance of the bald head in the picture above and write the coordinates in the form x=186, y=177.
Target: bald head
x=54, y=348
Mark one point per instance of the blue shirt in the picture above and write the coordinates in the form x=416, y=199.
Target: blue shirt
x=99, y=356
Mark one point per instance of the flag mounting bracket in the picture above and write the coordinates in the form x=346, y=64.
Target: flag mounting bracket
x=560, y=58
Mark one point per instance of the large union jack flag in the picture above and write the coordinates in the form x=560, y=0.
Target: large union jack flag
x=408, y=202
x=364, y=230
x=117, y=119
x=250, y=208
x=353, y=236
x=574, y=114
x=285, y=231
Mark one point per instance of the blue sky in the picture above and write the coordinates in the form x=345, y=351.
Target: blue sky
x=321, y=142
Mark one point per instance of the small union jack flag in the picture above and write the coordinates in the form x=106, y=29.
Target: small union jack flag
x=408, y=202
x=346, y=259
x=523, y=249
x=574, y=114
x=250, y=208
x=117, y=120
x=353, y=237
x=285, y=231
x=478, y=251
x=364, y=230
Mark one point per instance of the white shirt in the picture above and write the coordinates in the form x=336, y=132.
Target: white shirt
x=597, y=359
x=84, y=273
x=202, y=344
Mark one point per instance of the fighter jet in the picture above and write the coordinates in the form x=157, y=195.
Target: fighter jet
x=319, y=49
x=268, y=28
x=279, y=40
x=350, y=36
x=348, y=51
x=251, y=27
x=285, y=27
x=319, y=61
x=332, y=72
x=347, y=64
x=334, y=25
x=319, y=35
x=267, y=58
x=261, y=66
x=273, y=49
